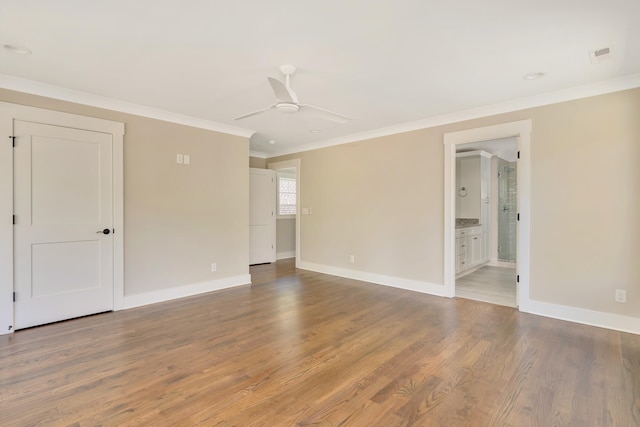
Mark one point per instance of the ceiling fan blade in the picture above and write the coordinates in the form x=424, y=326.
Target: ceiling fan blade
x=255, y=113
x=283, y=93
x=324, y=114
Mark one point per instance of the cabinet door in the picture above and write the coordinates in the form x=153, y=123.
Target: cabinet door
x=475, y=250
x=485, y=246
x=461, y=254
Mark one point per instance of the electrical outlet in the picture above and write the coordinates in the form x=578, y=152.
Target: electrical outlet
x=621, y=295
x=179, y=158
x=214, y=267
x=352, y=259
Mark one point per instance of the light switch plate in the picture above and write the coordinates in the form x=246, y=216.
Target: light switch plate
x=187, y=159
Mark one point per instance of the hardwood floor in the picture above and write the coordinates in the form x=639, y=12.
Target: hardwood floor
x=496, y=285
x=302, y=348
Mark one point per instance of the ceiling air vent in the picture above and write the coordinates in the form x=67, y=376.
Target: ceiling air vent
x=600, y=55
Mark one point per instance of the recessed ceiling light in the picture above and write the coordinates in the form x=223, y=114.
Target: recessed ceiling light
x=18, y=50
x=315, y=131
x=271, y=141
x=533, y=76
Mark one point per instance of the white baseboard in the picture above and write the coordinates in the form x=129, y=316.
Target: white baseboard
x=378, y=279
x=146, y=298
x=285, y=255
x=586, y=317
x=562, y=312
x=508, y=264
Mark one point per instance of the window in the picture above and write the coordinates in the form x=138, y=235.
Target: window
x=286, y=193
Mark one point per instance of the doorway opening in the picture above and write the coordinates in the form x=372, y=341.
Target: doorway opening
x=287, y=209
x=485, y=254
x=486, y=228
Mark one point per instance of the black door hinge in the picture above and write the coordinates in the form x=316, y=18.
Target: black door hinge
x=14, y=297
x=14, y=220
x=518, y=217
x=518, y=154
x=13, y=141
x=518, y=278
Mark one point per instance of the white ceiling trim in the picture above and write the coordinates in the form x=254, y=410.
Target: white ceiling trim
x=85, y=98
x=599, y=88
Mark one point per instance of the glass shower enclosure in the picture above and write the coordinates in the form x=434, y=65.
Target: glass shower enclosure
x=507, y=210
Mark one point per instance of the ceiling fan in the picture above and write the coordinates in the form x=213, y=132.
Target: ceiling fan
x=287, y=101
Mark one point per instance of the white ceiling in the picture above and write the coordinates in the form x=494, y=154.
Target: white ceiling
x=382, y=63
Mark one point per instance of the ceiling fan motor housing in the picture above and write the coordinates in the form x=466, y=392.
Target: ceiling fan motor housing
x=287, y=107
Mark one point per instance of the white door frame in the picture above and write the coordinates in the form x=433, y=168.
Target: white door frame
x=293, y=163
x=10, y=112
x=522, y=130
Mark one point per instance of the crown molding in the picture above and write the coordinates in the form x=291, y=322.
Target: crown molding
x=56, y=92
x=577, y=92
x=584, y=91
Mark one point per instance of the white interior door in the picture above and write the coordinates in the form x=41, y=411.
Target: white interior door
x=262, y=216
x=63, y=205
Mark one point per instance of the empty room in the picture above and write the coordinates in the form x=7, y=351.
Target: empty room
x=291, y=213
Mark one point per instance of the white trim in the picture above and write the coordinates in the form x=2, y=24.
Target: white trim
x=85, y=98
x=118, y=221
x=257, y=154
x=285, y=255
x=498, y=263
x=577, y=92
x=6, y=226
x=286, y=164
x=474, y=153
x=586, y=317
x=169, y=294
x=378, y=279
x=521, y=129
x=10, y=112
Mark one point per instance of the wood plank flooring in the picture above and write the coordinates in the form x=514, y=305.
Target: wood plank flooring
x=300, y=348
x=496, y=285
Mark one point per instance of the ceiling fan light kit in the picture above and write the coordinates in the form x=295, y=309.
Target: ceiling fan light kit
x=287, y=100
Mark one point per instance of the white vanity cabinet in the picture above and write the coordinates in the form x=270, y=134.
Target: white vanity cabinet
x=469, y=248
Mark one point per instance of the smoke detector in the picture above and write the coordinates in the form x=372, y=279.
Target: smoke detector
x=600, y=55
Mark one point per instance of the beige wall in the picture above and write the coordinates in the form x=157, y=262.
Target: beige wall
x=257, y=162
x=285, y=235
x=178, y=219
x=376, y=203
x=468, y=176
x=382, y=200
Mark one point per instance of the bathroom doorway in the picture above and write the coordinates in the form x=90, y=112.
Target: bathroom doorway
x=486, y=230
x=520, y=133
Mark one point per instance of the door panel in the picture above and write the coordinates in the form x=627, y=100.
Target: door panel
x=69, y=192
x=63, y=199
x=262, y=216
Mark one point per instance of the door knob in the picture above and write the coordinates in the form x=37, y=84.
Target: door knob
x=105, y=231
